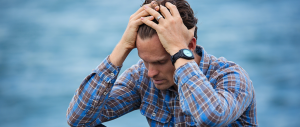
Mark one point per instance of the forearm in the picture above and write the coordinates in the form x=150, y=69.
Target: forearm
x=92, y=94
x=119, y=54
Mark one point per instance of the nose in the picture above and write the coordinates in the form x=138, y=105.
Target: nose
x=152, y=71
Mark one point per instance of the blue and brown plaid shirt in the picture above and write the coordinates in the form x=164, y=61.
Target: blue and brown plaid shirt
x=215, y=93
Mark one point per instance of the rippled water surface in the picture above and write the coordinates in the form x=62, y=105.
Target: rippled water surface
x=48, y=47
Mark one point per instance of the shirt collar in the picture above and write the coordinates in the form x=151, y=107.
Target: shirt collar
x=205, y=59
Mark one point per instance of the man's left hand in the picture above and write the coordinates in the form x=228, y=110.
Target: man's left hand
x=171, y=31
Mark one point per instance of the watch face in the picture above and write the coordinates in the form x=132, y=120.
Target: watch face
x=187, y=53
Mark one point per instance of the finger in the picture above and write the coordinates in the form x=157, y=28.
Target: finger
x=139, y=21
x=156, y=8
x=155, y=5
x=173, y=9
x=165, y=12
x=150, y=23
x=141, y=14
x=153, y=12
x=142, y=9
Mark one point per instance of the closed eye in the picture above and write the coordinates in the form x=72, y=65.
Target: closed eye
x=162, y=62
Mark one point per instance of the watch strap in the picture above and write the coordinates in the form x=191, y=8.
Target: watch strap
x=180, y=54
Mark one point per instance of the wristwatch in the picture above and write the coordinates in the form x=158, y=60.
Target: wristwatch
x=182, y=53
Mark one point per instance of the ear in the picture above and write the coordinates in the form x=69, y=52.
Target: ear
x=192, y=45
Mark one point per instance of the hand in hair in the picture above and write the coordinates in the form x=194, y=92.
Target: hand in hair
x=127, y=42
x=129, y=36
x=173, y=34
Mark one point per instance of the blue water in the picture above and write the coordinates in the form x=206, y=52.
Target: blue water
x=48, y=47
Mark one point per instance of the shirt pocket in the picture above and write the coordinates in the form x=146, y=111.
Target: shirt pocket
x=155, y=113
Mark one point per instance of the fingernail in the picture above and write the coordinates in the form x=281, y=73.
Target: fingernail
x=151, y=17
x=156, y=7
x=142, y=18
x=146, y=7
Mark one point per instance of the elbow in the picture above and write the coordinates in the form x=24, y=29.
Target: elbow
x=75, y=120
x=70, y=120
x=74, y=123
x=71, y=124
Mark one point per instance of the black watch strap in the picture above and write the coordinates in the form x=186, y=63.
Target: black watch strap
x=182, y=53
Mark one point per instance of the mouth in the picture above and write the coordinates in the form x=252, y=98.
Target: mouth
x=158, y=82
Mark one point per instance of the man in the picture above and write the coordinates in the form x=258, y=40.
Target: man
x=176, y=83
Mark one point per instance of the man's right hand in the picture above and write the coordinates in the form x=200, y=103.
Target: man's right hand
x=130, y=34
x=128, y=40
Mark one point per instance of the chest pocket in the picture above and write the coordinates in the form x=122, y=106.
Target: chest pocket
x=155, y=113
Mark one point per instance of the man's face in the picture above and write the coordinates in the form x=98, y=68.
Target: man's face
x=157, y=61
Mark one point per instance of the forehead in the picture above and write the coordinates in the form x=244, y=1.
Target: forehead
x=151, y=49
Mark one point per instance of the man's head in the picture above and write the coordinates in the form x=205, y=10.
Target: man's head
x=156, y=58
x=185, y=11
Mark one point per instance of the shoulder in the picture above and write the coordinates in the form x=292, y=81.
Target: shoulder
x=222, y=65
x=228, y=73
x=220, y=68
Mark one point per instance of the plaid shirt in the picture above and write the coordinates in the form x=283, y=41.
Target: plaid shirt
x=215, y=93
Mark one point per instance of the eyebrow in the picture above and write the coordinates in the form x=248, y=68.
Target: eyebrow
x=160, y=59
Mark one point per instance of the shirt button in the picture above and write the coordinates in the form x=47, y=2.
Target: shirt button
x=104, y=93
x=95, y=101
x=177, y=98
x=112, y=74
x=153, y=114
x=176, y=125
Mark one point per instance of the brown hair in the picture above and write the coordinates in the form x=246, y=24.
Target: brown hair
x=186, y=13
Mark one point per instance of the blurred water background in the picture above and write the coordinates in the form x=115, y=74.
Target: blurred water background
x=48, y=47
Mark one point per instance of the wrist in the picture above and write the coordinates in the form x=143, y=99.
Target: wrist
x=182, y=56
x=122, y=45
x=119, y=54
x=126, y=45
x=180, y=62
